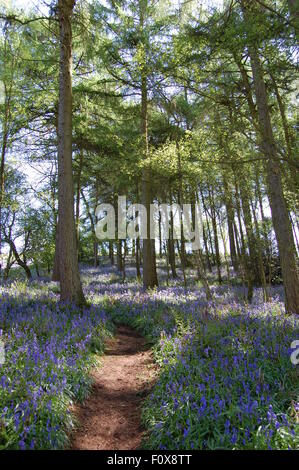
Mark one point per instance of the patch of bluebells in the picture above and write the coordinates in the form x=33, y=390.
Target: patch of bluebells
x=226, y=379
x=227, y=382
x=48, y=354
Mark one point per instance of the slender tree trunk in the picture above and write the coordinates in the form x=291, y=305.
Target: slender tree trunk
x=137, y=259
x=9, y=264
x=119, y=256
x=204, y=236
x=182, y=251
x=150, y=279
x=247, y=271
x=93, y=229
x=260, y=258
x=111, y=252
x=247, y=218
x=167, y=262
x=230, y=220
x=214, y=225
x=78, y=200
x=154, y=262
x=95, y=239
x=170, y=244
x=237, y=241
x=123, y=263
x=198, y=256
x=171, y=257
x=226, y=257
x=70, y=284
x=95, y=254
x=265, y=243
x=56, y=266
x=160, y=237
x=149, y=269
x=208, y=226
x=36, y=268
x=285, y=126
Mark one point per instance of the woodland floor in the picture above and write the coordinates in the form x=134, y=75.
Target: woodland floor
x=110, y=418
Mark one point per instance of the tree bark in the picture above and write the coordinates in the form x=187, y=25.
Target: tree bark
x=150, y=279
x=77, y=216
x=170, y=245
x=247, y=271
x=119, y=256
x=111, y=252
x=56, y=266
x=230, y=220
x=70, y=283
x=9, y=263
x=209, y=238
x=260, y=257
x=93, y=229
x=214, y=225
x=198, y=255
x=137, y=259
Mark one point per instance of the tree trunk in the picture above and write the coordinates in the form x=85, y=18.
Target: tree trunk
x=124, y=261
x=56, y=267
x=160, y=237
x=9, y=264
x=150, y=279
x=70, y=284
x=214, y=225
x=111, y=252
x=137, y=259
x=170, y=244
x=78, y=200
x=247, y=271
x=119, y=256
x=251, y=242
x=230, y=220
x=260, y=258
x=204, y=236
x=198, y=255
x=280, y=216
x=208, y=226
x=37, y=268
x=93, y=229
x=181, y=251
x=167, y=262
x=149, y=270
x=237, y=241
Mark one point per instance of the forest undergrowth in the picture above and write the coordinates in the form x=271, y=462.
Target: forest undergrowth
x=226, y=379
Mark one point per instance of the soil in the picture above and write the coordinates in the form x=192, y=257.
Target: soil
x=110, y=418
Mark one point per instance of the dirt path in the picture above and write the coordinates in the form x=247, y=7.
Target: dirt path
x=110, y=419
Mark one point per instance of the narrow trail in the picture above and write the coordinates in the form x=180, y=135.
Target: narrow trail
x=110, y=418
